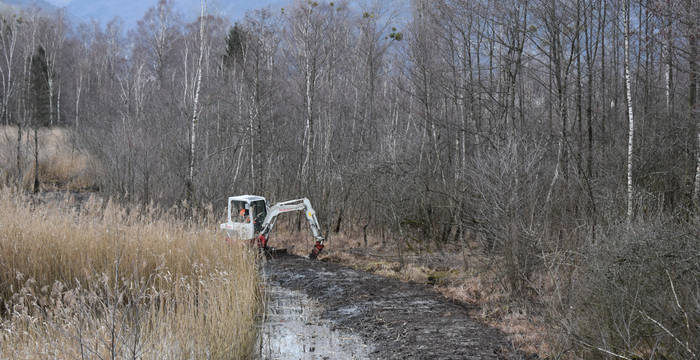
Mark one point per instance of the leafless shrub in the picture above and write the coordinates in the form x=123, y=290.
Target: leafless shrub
x=507, y=198
x=636, y=293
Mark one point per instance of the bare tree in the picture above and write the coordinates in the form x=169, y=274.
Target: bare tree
x=308, y=24
x=668, y=57
x=693, y=27
x=497, y=121
x=630, y=114
x=8, y=38
x=53, y=37
x=189, y=183
x=158, y=28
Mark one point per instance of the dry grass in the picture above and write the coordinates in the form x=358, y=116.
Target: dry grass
x=106, y=282
x=61, y=165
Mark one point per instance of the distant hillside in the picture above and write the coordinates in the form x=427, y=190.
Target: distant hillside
x=5, y=4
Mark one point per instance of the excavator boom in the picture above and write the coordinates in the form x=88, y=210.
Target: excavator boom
x=294, y=205
x=264, y=217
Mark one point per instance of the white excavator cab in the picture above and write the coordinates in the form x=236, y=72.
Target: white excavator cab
x=250, y=217
x=246, y=215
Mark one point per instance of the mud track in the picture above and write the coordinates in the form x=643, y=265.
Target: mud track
x=398, y=320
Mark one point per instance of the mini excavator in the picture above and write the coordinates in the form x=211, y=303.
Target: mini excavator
x=252, y=218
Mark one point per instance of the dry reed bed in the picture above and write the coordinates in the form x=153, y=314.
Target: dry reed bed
x=61, y=164
x=106, y=282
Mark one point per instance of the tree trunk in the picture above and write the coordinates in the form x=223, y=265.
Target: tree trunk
x=579, y=90
x=630, y=115
x=189, y=183
x=58, y=104
x=603, y=97
x=364, y=233
x=309, y=128
x=8, y=47
x=19, y=152
x=36, y=160
x=51, y=90
x=339, y=221
x=590, y=59
x=692, y=96
x=78, y=90
x=668, y=61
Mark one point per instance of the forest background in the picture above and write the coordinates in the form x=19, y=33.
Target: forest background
x=560, y=137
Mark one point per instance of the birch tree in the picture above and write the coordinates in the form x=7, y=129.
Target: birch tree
x=10, y=28
x=157, y=29
x=308, y=27
x=52, y=40
x=630, y=114
x=81, y=66
x=668, y=57
x=189, y=182
x=8, y=41
x=693, y=28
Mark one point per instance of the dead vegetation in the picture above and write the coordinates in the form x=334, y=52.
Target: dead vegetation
x=62, y=166
x=100, y=280
x=644, y=281
x=478, y=283
x=490, y=138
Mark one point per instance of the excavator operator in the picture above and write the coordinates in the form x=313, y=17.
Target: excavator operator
x=244, y=214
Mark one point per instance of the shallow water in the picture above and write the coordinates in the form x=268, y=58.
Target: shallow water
x=293, y=329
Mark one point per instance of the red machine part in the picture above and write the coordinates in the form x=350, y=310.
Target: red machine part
x=262, y=242
x=316, y=250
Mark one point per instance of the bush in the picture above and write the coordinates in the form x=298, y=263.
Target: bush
x=505, y=203
x=637, y=293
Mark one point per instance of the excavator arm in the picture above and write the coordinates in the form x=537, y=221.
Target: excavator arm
x=288, y=206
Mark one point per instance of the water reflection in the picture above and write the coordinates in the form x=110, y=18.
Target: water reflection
x=292, y=329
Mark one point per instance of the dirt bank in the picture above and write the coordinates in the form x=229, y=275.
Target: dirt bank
x=400, y=320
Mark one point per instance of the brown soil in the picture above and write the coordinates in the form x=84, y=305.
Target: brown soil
x=400, y=320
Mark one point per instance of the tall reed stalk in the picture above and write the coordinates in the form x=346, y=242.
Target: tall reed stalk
x=100, y=280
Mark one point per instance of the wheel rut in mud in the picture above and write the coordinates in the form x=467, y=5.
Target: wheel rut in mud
x=398, y=320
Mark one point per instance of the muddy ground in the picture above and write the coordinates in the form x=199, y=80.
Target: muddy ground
x=396, y=320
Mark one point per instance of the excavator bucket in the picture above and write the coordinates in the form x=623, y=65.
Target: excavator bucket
x=251, y=218
x=316, y=250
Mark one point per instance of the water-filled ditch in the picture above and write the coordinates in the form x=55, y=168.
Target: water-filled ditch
x=292, y=328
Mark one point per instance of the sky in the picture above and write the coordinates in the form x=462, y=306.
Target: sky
x=130, y=11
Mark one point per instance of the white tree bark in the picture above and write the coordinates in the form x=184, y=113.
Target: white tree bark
x=308, y=128
x=696, y=188
x=668, y=63
x=51, y=91
x=54, y=44
x=630, y=115
x=78, y=91
x=307, y=29
x=58, y=104
x=195, y=110
x=692, y=35
x=8, y=39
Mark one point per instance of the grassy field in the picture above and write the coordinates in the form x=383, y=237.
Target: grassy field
x=61, y=165
x=98, y=280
